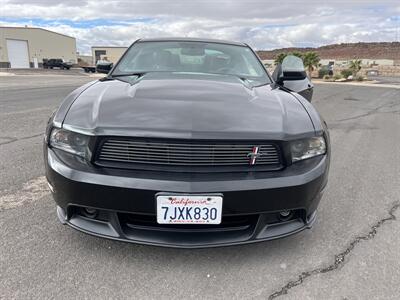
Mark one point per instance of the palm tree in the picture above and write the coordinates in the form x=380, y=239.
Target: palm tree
x=311, y=61
x=279, y=58
x=298, y=54
x=355, y=66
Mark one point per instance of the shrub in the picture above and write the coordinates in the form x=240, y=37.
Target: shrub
x=355, y=66
x=326, y=77
x=323, y=72
x=346, y=73
x=337, y=76
x=360, y=78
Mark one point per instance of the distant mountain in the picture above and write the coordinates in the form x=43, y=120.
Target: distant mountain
x=382, y=50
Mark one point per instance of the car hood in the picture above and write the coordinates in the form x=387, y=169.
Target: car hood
x=188, y=106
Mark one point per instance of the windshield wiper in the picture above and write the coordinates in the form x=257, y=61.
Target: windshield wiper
x=121, y=77
x=112, y=77
x=139, y=74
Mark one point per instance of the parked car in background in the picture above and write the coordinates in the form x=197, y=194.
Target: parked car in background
x=56, y=63
x=89, y=69
x=103, y=66
x=189, y=143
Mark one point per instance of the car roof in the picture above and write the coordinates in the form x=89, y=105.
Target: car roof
x=186, y=39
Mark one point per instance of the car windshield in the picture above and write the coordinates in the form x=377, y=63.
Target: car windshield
x=192, y=57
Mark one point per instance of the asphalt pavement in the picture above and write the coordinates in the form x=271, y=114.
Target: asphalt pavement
x=386, y=80
x=352, y=252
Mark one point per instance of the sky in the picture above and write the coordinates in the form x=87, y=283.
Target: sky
x=263, y=25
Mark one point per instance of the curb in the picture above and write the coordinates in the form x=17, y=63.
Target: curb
x=372, y=84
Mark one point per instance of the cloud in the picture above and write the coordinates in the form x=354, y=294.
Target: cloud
x=262, y=24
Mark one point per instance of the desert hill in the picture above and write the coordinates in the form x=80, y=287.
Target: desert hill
x=382, y=50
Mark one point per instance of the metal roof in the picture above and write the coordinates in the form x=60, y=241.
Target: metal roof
x=122, y=47
x=36, y=28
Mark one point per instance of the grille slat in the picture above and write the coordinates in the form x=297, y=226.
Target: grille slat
x=176, y=164
x=204, y=160
x=188, y=154
x=182, y=155
x=158, y=147
x=191, y=145
x=178, y=152
x=182, y=149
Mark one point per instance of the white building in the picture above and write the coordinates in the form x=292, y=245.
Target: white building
x=26, y=47
x=111, y=53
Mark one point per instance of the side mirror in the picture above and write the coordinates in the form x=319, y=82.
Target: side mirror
x=292, y=75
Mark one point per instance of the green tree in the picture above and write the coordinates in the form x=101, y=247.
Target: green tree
x=355, y=66
x=311, y=61
x=298, y=54
x=281, y=56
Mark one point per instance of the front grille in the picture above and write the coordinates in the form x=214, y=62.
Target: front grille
x=186, y=154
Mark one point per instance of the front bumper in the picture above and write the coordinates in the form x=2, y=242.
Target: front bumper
x=126, y=201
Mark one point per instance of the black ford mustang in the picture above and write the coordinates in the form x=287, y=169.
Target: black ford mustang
x=189, y=143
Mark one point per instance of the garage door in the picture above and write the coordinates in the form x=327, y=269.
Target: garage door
x=18, y=53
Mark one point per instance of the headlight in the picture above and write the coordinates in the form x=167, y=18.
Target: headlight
x=69, y=141
x=306, y=148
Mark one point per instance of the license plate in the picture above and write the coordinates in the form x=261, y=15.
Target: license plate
x=189, y=209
